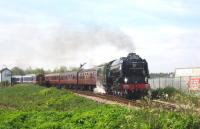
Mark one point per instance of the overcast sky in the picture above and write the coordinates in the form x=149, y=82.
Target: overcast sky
x=51, y=33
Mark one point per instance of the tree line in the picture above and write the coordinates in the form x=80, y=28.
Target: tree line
x=20, y=71
x=155, y=75
x=62, y=69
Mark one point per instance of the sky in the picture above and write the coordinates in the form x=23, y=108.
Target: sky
x=53, y=33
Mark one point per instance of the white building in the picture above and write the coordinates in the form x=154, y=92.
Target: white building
x=181, y=72
x=5, y=75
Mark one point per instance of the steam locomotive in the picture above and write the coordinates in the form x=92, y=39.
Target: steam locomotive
x=127, y=77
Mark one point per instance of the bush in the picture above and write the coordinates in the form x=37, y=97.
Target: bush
x=161, y=92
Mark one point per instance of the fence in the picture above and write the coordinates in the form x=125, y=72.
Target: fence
x=184, y=83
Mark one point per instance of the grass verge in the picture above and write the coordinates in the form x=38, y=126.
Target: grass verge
x=31, y=106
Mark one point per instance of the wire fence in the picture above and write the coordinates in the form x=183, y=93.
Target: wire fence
x=184, y=83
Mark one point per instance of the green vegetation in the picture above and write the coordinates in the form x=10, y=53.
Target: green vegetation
x=176, y=96
x=29, y=70
x=157, y=75
x=17, y=71
x=31, y=106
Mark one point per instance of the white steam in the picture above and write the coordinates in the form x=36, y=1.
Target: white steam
x=99, y=88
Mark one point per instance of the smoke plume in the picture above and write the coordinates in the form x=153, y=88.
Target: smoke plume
x=65, y=45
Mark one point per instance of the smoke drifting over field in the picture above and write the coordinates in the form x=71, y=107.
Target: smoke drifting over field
x=90, y=37
x=70, y=44
x=66, y=45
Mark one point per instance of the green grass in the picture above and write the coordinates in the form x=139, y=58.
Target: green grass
x=30, y=106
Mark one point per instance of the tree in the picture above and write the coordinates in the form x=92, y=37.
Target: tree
x=17, y=71
x=61, y=69
x=73, y=69
x=29, y=70
x=39, y=71
x=156, y=75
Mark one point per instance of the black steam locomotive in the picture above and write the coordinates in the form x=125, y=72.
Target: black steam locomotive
x=127, y=76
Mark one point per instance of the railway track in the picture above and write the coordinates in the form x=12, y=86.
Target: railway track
x=127, y=102
x=137, y=103
x=112, y=98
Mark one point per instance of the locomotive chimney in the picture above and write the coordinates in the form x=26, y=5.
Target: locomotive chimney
x=131, y=54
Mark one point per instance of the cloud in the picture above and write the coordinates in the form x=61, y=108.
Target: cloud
x=163, y=6
x=166, y=47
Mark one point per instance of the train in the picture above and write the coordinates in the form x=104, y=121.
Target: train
x=29, y=78
x=125, y=77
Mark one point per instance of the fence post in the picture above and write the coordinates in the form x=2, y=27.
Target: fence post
x=159, y=82
x=173, y=81
x=188, y=84
x=180, y=83
x=153, y=83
